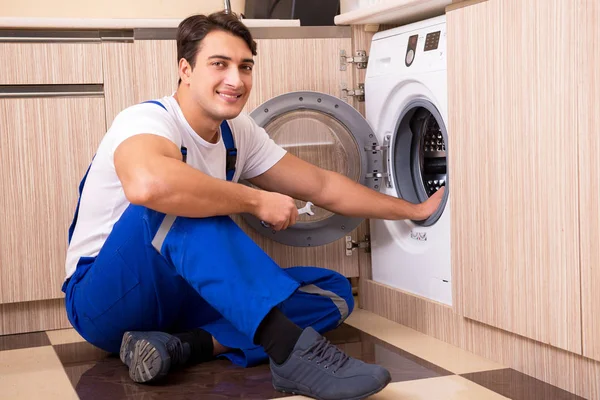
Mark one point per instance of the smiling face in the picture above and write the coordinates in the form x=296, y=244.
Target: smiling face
x=221, y=79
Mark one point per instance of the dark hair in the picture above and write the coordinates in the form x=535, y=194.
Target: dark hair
x=193, y=30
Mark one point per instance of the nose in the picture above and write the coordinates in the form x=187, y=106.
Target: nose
x=233, y=78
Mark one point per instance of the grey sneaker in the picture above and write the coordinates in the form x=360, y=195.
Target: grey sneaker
x=320, y=370
x=150, y=355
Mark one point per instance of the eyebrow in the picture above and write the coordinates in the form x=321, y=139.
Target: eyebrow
x=245, y=60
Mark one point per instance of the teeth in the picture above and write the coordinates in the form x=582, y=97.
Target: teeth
x=228, y=95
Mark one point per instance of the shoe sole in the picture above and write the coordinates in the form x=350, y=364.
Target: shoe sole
x=311, y=395
x=145, y=362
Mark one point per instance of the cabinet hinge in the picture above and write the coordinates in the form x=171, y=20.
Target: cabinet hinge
x=360, y=59
x=385, y=150
x=359, y=93
x=365, y=244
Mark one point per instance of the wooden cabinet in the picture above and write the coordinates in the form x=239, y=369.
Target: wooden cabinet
x=119, y=71
x=513, y=91
x=588, y=127
x=46, y=145
x=50, y=63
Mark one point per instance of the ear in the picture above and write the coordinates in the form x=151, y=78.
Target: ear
x=185, y=70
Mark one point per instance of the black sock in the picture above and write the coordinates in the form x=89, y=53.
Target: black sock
x=199, y=343
x=277, y=335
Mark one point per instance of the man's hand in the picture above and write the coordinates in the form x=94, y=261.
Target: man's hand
x=428, y=207
x=276, y=209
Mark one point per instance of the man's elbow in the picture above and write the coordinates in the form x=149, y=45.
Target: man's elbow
x=142, y=189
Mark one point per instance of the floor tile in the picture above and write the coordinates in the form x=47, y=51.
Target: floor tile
x=518, y=386
x=447, y=356
x=443, y=388
x=62, y=336
x=23, y=341
x=33, y=373
x=97, y=375
x=402, y=365
x=77, y=353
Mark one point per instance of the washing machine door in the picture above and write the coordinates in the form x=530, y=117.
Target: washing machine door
x=419, y=156
x=327, y=132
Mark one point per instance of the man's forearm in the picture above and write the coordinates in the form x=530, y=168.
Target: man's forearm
x=346, y=197
x=178, y=189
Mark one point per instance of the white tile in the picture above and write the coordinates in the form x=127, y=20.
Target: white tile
x=442, y=354
x=33, y=373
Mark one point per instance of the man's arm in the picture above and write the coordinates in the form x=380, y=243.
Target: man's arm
x=337, y=193
x=152, y=173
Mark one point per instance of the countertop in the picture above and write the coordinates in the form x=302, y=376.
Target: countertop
x=398, y=12
x=122, y=23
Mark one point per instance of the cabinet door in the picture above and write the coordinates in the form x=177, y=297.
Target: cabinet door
x=156, y=69
x=282, y=66
x=589, y=170
x=50, y=63
x=46, y=145
x=118, y=61
x=513, y=161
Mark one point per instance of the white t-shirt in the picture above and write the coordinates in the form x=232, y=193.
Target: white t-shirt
x=103, y=200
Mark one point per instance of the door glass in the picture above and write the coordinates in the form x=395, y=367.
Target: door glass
x=432, y=156
x=319, y=139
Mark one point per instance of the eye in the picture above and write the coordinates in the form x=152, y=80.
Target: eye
x=218, y=64
x=247, y=67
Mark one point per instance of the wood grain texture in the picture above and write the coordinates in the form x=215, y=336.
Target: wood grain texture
x=119, y=78
x=515, y=230
x=566, y=370
x=287, y=65
x=589, y=169
x=361, y=40
x=33, y=316
x=50, y=63
x=46, y=145
x=155, y=69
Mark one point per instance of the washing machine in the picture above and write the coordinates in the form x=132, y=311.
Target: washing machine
x=407, y=108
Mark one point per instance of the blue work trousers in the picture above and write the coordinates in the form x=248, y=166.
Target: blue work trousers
x=172, y=274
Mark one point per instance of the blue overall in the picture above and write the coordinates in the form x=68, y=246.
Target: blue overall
x=158, y=272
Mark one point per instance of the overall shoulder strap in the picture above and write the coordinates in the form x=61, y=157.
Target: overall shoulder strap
x=231, y=150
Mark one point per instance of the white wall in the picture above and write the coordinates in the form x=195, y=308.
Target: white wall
x=113, y=8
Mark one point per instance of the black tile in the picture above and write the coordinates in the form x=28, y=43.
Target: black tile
x=109, y=379
x=97, y=375
x=24, y=340
x=518, y=386
x=403, y=366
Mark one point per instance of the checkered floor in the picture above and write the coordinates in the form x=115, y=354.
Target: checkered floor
x=61, y=365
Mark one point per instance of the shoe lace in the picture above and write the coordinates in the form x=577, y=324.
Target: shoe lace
x=175, y=349
x=325, y=352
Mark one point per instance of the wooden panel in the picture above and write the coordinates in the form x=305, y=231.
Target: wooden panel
x=119, y=72
x=46, y=145
x=50, y=63
x=155, y=69
x=512, y=114
x=568, y=371
x=286, y=65
x=361, y=40
x=588, y=59
x=33, y=316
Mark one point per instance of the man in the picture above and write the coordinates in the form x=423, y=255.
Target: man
x=157, y=271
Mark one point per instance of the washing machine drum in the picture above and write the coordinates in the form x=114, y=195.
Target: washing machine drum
x=419, y=156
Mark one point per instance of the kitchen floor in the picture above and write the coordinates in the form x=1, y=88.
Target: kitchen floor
x=61, y=365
